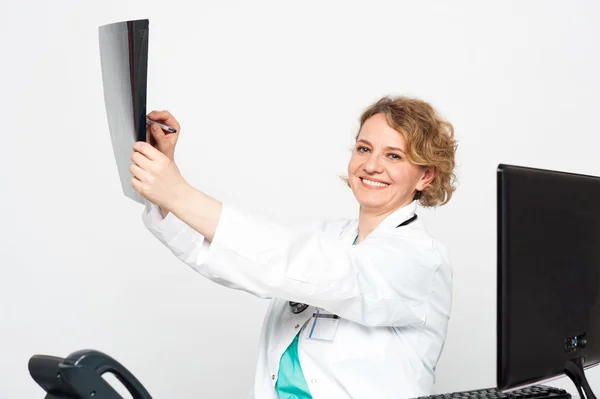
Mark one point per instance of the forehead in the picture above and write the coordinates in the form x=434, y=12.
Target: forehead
x=377, y=131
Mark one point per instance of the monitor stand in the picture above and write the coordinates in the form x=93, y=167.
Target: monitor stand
x=574, y=369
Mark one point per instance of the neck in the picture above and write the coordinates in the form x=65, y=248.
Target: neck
x=369, y=219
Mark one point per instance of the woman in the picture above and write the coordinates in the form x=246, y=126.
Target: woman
x=359, y=307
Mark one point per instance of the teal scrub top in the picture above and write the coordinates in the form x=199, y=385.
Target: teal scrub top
x=291, y=383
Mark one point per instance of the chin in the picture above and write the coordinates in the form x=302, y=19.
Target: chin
x=369, y=203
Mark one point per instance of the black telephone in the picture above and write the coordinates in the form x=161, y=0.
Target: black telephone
x=79, y=376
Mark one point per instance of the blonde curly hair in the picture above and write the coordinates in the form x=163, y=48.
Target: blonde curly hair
x=429, y=142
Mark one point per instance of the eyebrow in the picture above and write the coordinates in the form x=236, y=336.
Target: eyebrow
x=387, y=148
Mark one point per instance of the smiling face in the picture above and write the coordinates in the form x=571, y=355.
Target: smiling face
x=379, y=173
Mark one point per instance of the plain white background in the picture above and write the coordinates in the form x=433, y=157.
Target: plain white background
x=268, y=94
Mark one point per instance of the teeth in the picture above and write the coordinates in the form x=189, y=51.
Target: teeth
x=374, y=183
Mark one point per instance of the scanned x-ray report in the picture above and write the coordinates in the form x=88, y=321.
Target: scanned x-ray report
x=124, y=62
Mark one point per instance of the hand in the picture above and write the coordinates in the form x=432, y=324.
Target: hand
x=156, y=177
x=164, y=142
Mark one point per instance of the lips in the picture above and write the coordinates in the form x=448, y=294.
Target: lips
x=373, y=183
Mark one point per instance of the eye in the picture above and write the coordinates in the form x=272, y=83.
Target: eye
x=361, y=148
x=395, y=156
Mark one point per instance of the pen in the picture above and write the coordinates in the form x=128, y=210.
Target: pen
x=164, y=127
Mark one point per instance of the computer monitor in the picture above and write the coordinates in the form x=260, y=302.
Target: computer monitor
x=548, y=310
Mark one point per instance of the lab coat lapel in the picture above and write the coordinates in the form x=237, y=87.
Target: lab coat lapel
x=397, y=217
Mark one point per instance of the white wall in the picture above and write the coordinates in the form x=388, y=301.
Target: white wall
x=268, y=95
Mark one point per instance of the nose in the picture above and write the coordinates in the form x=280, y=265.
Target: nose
x=373, y=164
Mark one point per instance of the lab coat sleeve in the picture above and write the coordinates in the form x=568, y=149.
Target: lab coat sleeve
x=186, y=244
x=380, y=282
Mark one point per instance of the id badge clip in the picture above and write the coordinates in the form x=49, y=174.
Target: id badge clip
x=323, y=325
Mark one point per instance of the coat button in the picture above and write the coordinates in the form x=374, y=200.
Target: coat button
x=297, y=325
x=273, y=377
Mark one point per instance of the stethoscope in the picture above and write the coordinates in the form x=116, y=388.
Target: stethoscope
x=298, y=307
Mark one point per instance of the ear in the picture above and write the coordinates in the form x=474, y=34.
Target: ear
x=427, y=178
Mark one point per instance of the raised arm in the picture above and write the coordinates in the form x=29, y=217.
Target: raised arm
x=388, y=280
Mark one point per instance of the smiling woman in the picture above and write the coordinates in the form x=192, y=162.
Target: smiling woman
x=359, y=307
x=404, y=152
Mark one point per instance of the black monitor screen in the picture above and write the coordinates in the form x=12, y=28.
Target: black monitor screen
x=548, y=273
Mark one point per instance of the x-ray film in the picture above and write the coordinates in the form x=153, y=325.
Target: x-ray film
x=124, y=62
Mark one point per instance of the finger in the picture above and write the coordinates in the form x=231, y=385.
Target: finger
x=147, y=150
x=164, y=117
x=158, y=134
x=149, y=137
x=137, y=185
x=140, y=173
x=140, y=160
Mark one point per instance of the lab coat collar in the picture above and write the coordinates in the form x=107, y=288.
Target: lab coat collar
x=392, y=221
x=400, y=215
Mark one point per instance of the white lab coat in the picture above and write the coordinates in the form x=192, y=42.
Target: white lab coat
x=392, y=291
